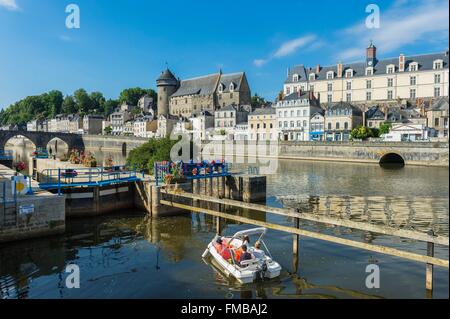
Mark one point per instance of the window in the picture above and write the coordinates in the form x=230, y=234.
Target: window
x=349, y=85
x=390, y=82
x=368, y=84
x=389, y=95
x=412, y=93
x=412, y=80
x=305, y=124
x=436, y=122
x=330, y=87
x=288, y=90
x=280, y=124
x=338, y=126
x=257, y=126
x=368, y=96
x=390, y=69
x=299, y=123
x=295, y=78
x=286, y=124
x=437, y=78
x=329, y=98
x=312, y=77
x=292, y=123
x=330, y=75
x=271, y=125
x=311, y=88
x=369, y=71
x=280, y=114
x=285, y=113
x=346, y=125
x=349, y=73
x=264, y=125
x=292, y=113
x=329, y=126
x=437, y=92
x=221, y=88
x=349, y=97
x=231, y=95
x=305, y=112
x=437, y=64
x=231, y=87
x=413, y=67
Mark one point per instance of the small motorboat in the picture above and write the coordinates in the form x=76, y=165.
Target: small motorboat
x=227, y=257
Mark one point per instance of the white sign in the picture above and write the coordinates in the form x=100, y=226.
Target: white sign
x=26, y=209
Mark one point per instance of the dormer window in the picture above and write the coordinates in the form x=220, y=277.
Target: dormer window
x=369, y=71
x=437, y=64
x=295, y=78
x=312, y=76
x=220, y=87
x=349, y=73
x=330, y=75
x=390, y=69
x=413, y=67
x=231, y=87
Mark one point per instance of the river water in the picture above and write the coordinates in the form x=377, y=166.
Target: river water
x=127, y=255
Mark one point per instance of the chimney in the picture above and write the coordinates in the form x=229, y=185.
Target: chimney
x=311, y=96
x=339, y=69
x=401, y=63
x=318, y=69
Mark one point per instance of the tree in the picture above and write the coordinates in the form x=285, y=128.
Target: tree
x=385, y=128
x=98, y=101
x=361, y=133
x=131, y=96
x=155, y=150
x=109, y=106
x=258, y=101
x=108, y=130
x=69, y=106
x=53, y=101
x=83, y=101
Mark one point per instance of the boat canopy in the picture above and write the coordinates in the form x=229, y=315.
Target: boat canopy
x=254, y=231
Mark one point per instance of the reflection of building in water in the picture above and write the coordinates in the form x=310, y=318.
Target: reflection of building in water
x=418, y=213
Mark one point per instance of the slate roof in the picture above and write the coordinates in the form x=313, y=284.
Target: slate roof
x=263, y=111
x=374, y=113
x=440, y=104
x=204, y=85
x=345, y=106
x=425, y=62
x=167, y=78
x=235, y=78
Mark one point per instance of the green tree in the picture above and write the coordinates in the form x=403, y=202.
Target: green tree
x=361, y=133
x=108, y=130
x=155, y=150
x=83, y=101
x=53, y=101
x=257, y=101
x=69, y=106
x=385, y=128
x=131, y=96
x=98, y=102
x=109, y=106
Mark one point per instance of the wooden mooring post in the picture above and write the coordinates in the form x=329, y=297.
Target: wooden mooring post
x=429, y=267
x=218, y=226
x=295, y=243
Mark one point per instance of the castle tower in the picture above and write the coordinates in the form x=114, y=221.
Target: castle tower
x=167, y=85
x=371, y=55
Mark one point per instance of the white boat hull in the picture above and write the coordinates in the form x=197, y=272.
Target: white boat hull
x=247, y=274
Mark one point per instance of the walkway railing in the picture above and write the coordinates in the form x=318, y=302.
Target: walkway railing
x=191, y=171
x=84, y=177
x=6, y=155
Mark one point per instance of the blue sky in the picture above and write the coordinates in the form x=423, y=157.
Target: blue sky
x=127, y=43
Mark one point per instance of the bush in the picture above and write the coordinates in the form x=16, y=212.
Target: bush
x=385, y=128
x=155, y=150
x=363, y=132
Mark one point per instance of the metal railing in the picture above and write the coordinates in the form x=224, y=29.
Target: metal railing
x=78, y=177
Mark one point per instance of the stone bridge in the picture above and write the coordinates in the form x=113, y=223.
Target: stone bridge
x=41, y=139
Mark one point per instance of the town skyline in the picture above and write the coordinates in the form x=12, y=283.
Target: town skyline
x=100, y=51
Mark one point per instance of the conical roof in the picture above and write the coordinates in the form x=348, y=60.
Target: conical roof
x=167, y=78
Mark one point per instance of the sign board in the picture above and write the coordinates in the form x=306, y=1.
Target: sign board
x=26, y=209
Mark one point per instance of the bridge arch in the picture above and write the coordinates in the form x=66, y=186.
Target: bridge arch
x=392, y=160
x=41, y=139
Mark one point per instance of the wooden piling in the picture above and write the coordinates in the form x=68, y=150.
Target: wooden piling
x=218, y=226
x=429, y=268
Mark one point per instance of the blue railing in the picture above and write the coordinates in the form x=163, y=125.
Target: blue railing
x=84, y=177
x=190, y=171
x=6, y=155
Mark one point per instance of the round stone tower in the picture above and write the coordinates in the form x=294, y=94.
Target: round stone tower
x=167, y=85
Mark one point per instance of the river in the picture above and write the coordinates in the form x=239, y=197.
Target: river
x=127, y=255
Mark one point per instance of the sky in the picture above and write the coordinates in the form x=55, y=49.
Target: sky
x=127, y=43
